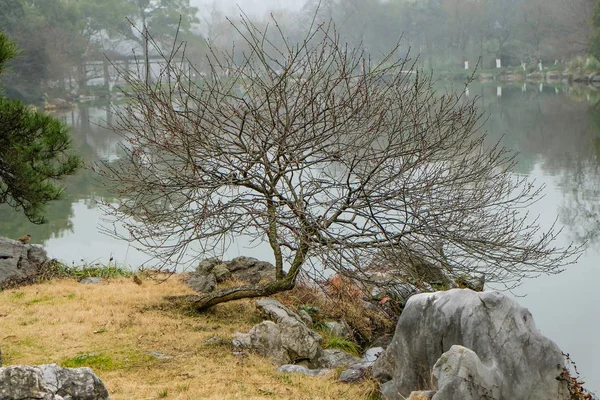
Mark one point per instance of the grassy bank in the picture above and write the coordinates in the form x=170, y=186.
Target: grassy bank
x=143, y=347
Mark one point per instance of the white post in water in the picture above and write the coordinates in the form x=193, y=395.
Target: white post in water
x=524, y=66
x=498, y=63
x=541, y=87
x=466, y=65
x=540, y=67
x=499, y=91
x=524, y=88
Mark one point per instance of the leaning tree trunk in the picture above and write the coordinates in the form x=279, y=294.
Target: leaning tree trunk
x=206, y=301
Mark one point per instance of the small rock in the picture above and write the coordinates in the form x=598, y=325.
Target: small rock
x=214, y=340
x=90, y=281
x=351, y=375
x=334, y=358
x=212, y=271
x=298, y=369
x=372, y=354
x=357, y=372
x=160, y=356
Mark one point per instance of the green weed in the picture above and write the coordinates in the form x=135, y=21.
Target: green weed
x=340, y=343
x=38, y=300
x=94, y=361
x=17, y=295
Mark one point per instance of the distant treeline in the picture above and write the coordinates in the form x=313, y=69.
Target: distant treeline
x=448, y=32
x=56, y=37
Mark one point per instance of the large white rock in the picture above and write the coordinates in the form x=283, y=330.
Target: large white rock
x=510, y=358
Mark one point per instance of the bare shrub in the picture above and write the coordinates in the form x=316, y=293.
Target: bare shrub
x=327, y=155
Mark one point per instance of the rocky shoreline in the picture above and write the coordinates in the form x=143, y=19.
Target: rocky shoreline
x=551, y=77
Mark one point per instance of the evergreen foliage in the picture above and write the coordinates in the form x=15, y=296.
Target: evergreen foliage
x=34, y=152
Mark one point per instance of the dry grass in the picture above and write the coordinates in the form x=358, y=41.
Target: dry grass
x=113, y=326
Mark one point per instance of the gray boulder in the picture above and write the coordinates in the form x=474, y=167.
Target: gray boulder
x=264, y=339
x=299, y=341
x=245, y=269
x=50, y=382
x=19, y=262
x=286, y=339
x=333, y=358
x=287, y=342
x=501, y=334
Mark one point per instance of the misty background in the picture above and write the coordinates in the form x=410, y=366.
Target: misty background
x=59, y=38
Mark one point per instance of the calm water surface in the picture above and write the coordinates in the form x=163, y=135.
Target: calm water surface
x=555, y=129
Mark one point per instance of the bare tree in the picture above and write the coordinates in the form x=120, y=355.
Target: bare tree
x=330, y=157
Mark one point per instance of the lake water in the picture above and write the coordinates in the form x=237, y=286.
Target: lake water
x=555, y=129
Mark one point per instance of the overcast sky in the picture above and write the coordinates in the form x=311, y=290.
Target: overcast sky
x=252, y=7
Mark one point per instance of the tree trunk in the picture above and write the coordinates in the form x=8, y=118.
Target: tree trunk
x=206, y=301
x=82, y=77
x=106, y=73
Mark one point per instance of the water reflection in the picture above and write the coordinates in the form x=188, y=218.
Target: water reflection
x=93, y=142
x=559, y=131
